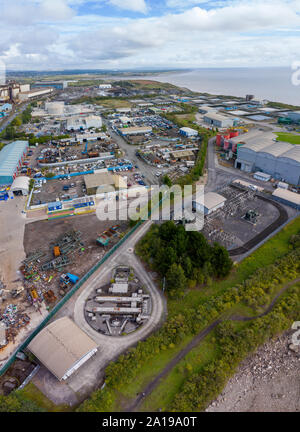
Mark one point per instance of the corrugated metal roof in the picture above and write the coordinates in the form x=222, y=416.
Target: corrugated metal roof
x=287, y=195
x=277, y=149
x=60, y=345
x=293, y=153
x=10, y=156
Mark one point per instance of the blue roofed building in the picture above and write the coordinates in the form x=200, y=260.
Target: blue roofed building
x=11, y=158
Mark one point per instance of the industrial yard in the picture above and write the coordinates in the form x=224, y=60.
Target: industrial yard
x=121, y=307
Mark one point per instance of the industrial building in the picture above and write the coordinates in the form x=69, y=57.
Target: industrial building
x=11, y=157
x=91, y=137
x=82, y=123
x=11, y=91
x=20, y=185
x=279, y=159
x=137, y=130
x=105, y=86
x=287, y=197
x=294, y=116
x=59, y=85
x=31, y=94
x=218, y=120
x=62, y=347
x=188, y=132
x=208, y=203
x=102, y=182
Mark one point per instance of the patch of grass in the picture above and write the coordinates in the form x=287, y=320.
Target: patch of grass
x=31, y=392
x=193, y=362
x=288, y=137
x=151, y=369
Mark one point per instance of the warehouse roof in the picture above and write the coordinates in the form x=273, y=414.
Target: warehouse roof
x=104, y=179
x=61, y=345
x=215, y=116
x=287, y=195
x=19, y=183
x=10, y=156
x=293, y=153
x=210, y=200
x=277, y=149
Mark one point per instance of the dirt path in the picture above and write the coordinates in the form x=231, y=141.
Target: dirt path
x=197, y=339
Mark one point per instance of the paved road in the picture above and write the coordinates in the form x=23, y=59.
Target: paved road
x=130, y=150
x=197, y=339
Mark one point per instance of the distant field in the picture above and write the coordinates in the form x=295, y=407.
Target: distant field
x=288, y=137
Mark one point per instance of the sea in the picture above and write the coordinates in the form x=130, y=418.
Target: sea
x=274, y=84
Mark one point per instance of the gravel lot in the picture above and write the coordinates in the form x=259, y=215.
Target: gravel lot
x=268, y=381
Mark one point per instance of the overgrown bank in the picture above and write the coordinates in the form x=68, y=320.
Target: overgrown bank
x=187, y=317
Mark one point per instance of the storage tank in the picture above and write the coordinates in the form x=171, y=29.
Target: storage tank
x=55, y=108
x=234, y=134
x=226, y=144
x=219, y=140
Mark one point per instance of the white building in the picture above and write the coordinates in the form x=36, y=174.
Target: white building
x=20, y=185
x=208, y=203
x=105, y=86
x=188, y=132
x=25, y=96
x=82, y=123
x=218, y=120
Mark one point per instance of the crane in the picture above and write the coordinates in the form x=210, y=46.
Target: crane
x=85, y=149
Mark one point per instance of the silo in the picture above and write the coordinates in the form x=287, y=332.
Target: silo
x=219, y=140
x=234, y=133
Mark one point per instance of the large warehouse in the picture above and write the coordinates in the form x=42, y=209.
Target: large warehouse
x=279, y=159
x=218, y=120
x=11, y=157
x=62, y=347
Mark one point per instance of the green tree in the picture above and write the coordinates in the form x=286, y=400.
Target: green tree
x=221, y=262
x=176, y=281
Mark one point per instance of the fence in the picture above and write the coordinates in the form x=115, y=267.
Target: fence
x=71, y=292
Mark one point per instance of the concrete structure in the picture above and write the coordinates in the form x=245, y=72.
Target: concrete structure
x=188, y=132
x=261, y=153
x=10, y=92
x=287, y=197
x=137, y=130
x=11, y=157
x=208, y=203
x=82, y=123
x=55, y=108
x=20, y=185
x=62, y=347
x=217, y=120
x=31, y=94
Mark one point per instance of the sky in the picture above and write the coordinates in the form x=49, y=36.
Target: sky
x=131, y=34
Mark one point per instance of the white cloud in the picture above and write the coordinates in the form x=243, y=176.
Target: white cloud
x=49, y=33
x=133, y=5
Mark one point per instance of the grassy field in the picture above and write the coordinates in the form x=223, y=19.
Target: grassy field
x=207, y=351
x=288, y=137
x=33, y=393
x=165, y=392
x=272, y=250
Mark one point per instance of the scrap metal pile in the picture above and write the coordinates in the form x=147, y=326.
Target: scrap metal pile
x=14, y=320
x=40, y=267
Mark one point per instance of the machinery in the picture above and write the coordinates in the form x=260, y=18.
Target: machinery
x=251, y=216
